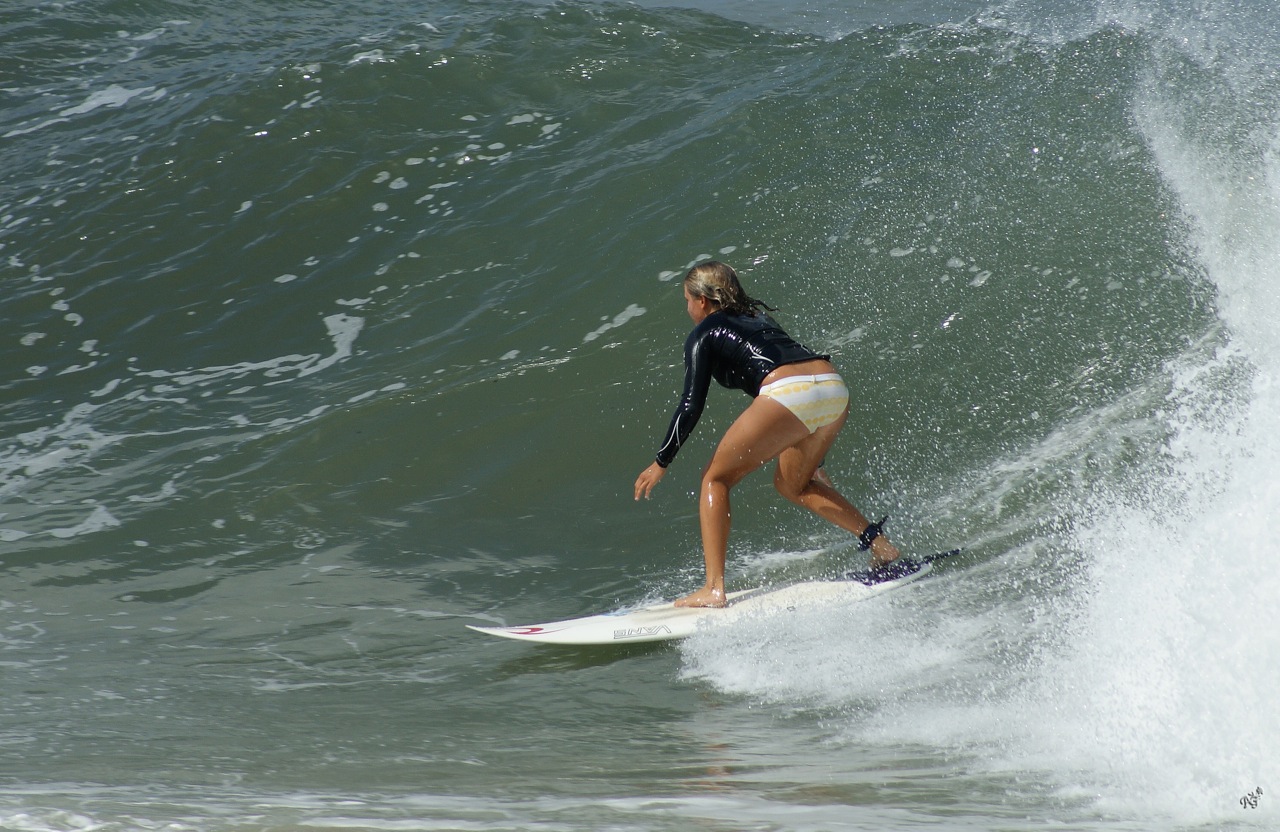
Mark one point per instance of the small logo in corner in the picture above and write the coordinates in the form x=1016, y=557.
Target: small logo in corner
x=1250, y=801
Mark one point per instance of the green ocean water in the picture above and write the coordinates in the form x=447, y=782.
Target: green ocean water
x=334, y=328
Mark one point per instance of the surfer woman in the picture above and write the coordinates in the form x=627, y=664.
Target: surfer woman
x=799, y=405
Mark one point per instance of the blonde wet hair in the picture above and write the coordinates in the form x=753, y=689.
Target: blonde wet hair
x=718, y=282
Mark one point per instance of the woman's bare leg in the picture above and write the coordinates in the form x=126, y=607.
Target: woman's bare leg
x=796, y=479
x=764, y=430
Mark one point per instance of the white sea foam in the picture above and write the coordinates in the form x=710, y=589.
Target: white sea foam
x=113, y=96
x=632, y=311
x=1166, y=691
x=343, y=330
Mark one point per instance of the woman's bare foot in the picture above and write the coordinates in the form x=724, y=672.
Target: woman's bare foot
x=705, y=597
x=883, y=552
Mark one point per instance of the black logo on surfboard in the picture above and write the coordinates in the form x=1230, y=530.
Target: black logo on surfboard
x=641, y=632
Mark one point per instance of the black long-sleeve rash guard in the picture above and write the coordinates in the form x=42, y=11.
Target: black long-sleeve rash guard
x=738, y=351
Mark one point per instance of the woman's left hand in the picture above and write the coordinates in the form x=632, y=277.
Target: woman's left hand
x=648, y=478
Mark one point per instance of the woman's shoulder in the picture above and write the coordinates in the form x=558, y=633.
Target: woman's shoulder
x=723, y=323
x=742, y=320
x=751, y=322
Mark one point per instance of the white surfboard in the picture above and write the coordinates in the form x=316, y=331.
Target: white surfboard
x=665, y=621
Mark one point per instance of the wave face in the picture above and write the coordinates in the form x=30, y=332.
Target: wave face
x=332, y=327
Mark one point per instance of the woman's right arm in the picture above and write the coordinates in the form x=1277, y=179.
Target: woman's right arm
x=693, y=398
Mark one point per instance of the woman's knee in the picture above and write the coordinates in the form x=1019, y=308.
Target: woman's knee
x=716, y=478
x=728, y=469
x=789, y=487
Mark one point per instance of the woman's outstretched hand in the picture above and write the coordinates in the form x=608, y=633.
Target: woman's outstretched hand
x=648, y=478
